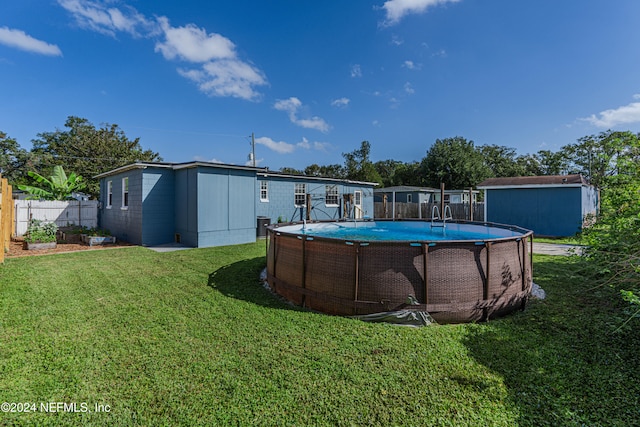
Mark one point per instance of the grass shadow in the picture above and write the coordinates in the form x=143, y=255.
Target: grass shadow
x=560, y=359
x=241, y=280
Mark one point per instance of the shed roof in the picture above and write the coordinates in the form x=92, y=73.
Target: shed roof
x=175, y=166
x=574, y=180
x=405, y=189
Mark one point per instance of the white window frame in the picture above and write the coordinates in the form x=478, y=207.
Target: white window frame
x=109, y=194
x=264, y=191
x=300, y=194
x=125, y=193
x=331, y=195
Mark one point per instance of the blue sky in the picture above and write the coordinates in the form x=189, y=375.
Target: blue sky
x=194, y=79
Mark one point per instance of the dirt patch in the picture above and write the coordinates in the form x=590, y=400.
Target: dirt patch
x=16, y=248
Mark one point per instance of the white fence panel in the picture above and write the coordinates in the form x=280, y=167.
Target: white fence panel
x=63, y=213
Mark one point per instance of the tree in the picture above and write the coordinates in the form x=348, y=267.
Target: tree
x=599, y=156
x=59, y=186
x=395, y=172
x=455, y=162
x=88, y=151
x=328, y=171
x=13, y=160
x=359, y=167
x=291, y=171
x=501, y=160
x=551, y=163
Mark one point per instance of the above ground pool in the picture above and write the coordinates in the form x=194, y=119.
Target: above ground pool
x=455, y=271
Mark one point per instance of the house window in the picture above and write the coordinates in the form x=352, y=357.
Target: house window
x=109, y=194
x=447, y=198
x=331, y=195
x=125, y=193
x=409, y=198
x=300, y=195
x=264, y=191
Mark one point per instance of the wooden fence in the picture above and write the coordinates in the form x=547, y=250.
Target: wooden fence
x=6, y=217
x=459, y=211
x=63, y=213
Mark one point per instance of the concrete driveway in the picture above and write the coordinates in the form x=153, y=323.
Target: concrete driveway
x=556, y=249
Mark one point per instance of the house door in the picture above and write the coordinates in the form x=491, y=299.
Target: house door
x=357, y=204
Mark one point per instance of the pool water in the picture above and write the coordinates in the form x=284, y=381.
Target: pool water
x=402, y=231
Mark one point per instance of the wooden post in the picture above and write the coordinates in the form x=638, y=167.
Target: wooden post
x=5, y=217
x=3, y=221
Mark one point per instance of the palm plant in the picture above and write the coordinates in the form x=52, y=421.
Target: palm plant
x=58, y=186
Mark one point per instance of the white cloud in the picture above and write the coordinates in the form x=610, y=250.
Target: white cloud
x=223, y=78
x=625, y=114
x=356, y=71
x=283, y=147
x=396, y=40
x=409, y=89
x=193, y=44
x=20, y=40
x=340, y=102
x=109, y=21
x=277, y=146
x=410, y=65
x=397, y=9
x=219, y=72
x=292, y=107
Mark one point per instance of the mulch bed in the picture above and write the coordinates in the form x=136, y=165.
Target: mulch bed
x=16, y=248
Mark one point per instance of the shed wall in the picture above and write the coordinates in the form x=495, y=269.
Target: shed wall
x=554, y=211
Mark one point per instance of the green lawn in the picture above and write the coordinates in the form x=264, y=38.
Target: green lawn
x=192, y=338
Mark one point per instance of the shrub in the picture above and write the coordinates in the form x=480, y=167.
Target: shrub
x=40, y=232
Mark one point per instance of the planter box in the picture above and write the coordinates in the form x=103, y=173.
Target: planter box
x=70, y=237
x=97, y=240
x=39, y=246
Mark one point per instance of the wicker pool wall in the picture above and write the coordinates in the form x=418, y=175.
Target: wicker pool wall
x=455, y=281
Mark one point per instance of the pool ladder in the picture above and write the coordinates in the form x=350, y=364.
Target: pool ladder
x=435, y=216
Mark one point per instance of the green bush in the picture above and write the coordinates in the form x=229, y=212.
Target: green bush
x=40, y=232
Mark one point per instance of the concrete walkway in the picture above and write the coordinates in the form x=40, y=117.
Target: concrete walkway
x=556, y=249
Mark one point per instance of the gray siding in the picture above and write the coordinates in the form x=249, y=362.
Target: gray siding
x=226, y=207
x=186, y=212
x=158, y=188
x=125, y=224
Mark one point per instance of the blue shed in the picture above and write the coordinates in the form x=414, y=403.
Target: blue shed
x=555, y=206
x=202, y=204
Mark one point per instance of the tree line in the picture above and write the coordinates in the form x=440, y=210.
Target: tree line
x=459, y=163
